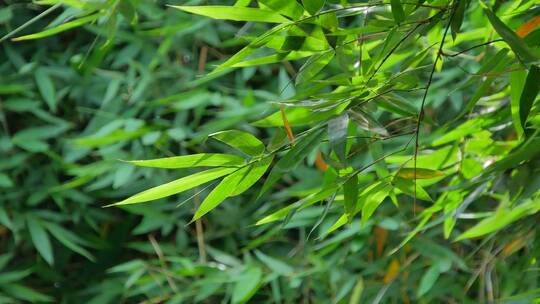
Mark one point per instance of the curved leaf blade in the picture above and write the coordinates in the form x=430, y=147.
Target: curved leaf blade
x=176, y=186
x=234, y=13
x=190, y=161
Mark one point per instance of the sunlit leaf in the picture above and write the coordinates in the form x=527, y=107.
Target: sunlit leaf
x=313, y=6
x=234, y=13
x=177, y=186
x=234, y=184
x=193, y=160
x=242, y=141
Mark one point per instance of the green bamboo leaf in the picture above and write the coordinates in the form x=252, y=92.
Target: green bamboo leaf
x=46, y=88
x=190, y=161
x=517, y=83
x=397, y=11
x=313, y=66
x=288, y=162
x=242, y=141
x=69, y=239
x=234, y=184
x=301, y=204
x=255, y=172
x=529, y=93
x=502, y=218
x=63, y=27
x=40, y=238
x=514, y=41
x=421, y=173
x=373, y=200
x=176, y=186
x=458, y=17
x=350, y=192
x=246, y=284
x=274, y=264
x=254, y=45
x=428, y=280
x=313, y=6
x=287, y=8
x=24, y=293
x=407, y=186
x=234, y=13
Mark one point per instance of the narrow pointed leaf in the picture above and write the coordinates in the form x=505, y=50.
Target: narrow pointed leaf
x=373, y=200
x=40, y=238
x=292, y=158
x=46, y=88
x=407, y=186
x=242, y=141
x=350, y=192
x=514, y=41
x=234, y=184
x=284, y=7
x=313, y=66
x=176, y=186
x=190, y=161
x=528, y=95
x=63, y=27
x=234, y=13
x=313, y=6
x=397, y=11
x=421, y=173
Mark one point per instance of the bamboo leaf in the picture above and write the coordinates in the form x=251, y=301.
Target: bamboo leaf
x=292, y=158
x=193, y=160
x=421, y=173
x=176, y=186
x=233, y=184
x=515, y=42
x=242, y=141
x=397, y=11
x=502, y=218
x=458, y=17
x=287, y=8
x=529, y=93
x=313, y=6
x=373, y=200
x=246, y=285
x=40, y=238
x=517, y=83
x=234, y=13
x=68, y=239
x=407, y=186
x=46, y=88
x=350, y=192
x=313, y=66
x=61, y=28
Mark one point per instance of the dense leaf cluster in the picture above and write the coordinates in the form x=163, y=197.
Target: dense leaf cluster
x=270, y=151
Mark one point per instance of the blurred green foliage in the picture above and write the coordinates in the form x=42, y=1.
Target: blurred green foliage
x=374, y=193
